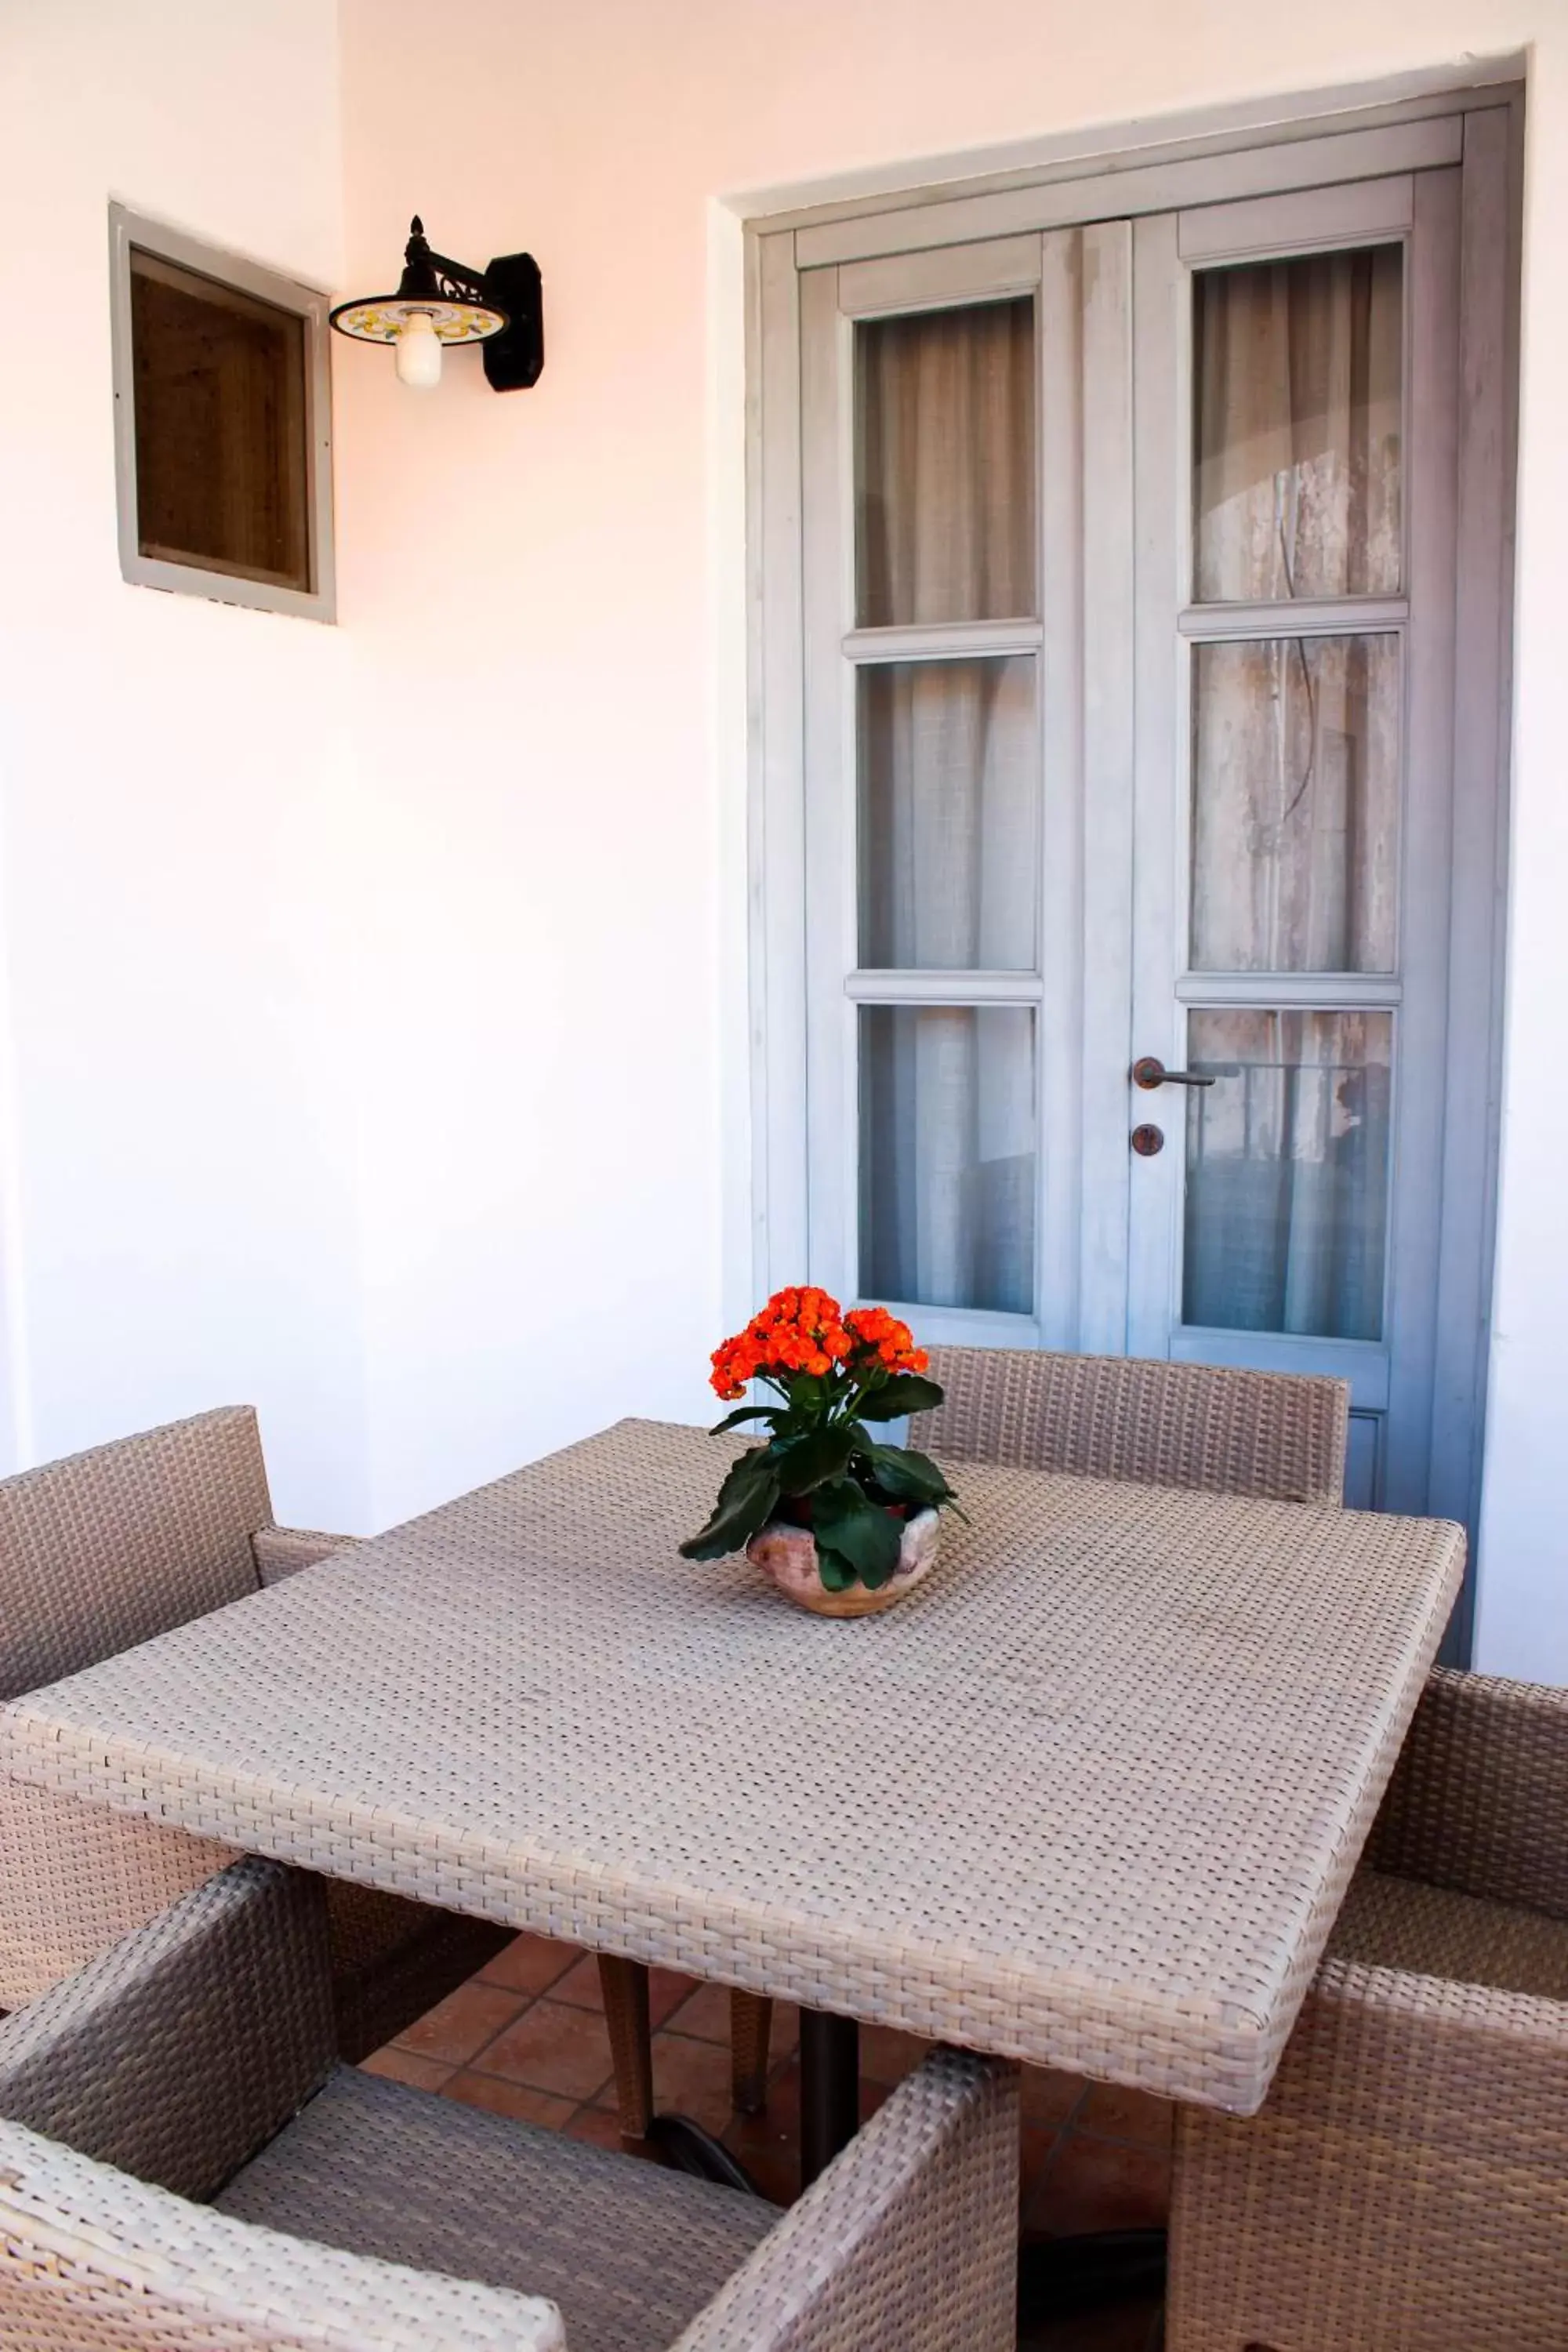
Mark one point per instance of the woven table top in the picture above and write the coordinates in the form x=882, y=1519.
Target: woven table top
x=1090, y=1796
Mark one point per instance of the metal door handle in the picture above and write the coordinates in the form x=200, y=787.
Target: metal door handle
x=1151, y=1072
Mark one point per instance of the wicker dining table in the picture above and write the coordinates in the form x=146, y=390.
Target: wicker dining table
x=1089, y=1797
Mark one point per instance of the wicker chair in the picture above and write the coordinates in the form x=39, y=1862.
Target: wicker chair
x=223, y=2181
x=1404, y=2187
x=1278, y=1436
x=99, y=1553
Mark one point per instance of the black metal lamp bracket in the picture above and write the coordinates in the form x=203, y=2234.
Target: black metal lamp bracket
x=514, y=359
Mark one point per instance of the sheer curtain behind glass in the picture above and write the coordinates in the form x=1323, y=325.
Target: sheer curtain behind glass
x=948, y=793
x=1296, y=785
x=1288, y=1165
x=1296, y=765
x=1299, y=368
x=947, y=758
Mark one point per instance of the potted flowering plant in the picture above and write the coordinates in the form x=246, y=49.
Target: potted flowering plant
x=843, y=1523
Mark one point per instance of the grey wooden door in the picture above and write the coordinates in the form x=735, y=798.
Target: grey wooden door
x=1295, y=495
x=1146, y=570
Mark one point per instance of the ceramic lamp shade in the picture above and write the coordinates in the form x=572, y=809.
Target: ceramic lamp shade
x=382, y=318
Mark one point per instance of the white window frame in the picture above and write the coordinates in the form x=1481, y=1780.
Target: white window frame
x=128, y=229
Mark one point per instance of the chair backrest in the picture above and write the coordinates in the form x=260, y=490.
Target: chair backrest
x=150, y=2077
x=181, y=2051
x=1280, y=1437
x=1479, y=1800
x=74, y=1879
x=107, y=1548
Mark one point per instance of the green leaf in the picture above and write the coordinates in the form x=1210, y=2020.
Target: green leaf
x=905, y=1393
x=906, y=1475
x=804, y=1462
x=756, y=1461
x=769, y=1413
x=734, y=1522
x=858, y=1530
x=745, y=1499
x=836, y=1574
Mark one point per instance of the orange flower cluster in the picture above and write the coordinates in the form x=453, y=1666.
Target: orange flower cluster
x=873, y=1327
x=799, y=1331
x=804, y=1330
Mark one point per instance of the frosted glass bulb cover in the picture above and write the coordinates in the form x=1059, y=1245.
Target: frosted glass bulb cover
x=418, y=350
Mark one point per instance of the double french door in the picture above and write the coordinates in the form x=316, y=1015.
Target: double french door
x=1140, y=967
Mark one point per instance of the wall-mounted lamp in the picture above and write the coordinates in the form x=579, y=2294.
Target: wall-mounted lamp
x=440, y=302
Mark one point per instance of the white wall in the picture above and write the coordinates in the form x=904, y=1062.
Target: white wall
x=177, y=1142
x=372, y=1028
x=547, y=1235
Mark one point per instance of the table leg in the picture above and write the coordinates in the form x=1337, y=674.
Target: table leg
x=623, y=1988
x=829, y=2089
x=685, y=2144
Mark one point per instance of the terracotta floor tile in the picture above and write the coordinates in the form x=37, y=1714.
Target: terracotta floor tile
x=691, y=2078
x=768, y=2145
x=887, y=2055
x=552, y=2046
x=530, y=1964
x=704, y=2013
x=872, y=2096
x=780, y=2119
x=1097, y=2184
x=1111, y=2112
x=498, y=2097
x=667, y=1988
x=774, y=2175
x=407, y=2067
x=1048, y=2096
x=462, y=2023
x=580, y=1985
x=785, y=2034
x=578, y=1982
x=1035, y=2149
x=598, y=2126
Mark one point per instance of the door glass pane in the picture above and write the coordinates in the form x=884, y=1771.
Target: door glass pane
x=947, y=1155
x=1288, y=1173
x=1299, y=379
x=1295, y=804
x=949, y=759
x=945, y=465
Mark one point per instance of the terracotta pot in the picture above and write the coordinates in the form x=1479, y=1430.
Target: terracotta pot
x=788, y=1554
